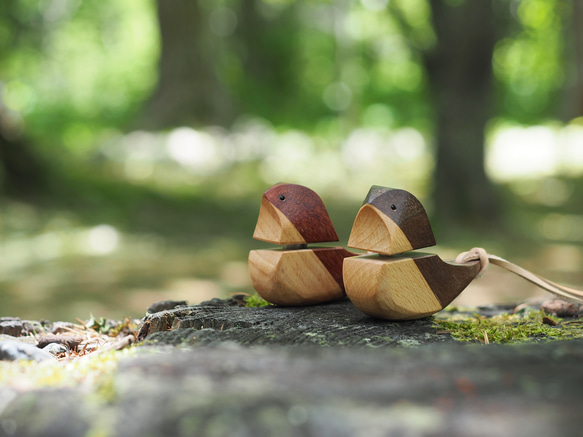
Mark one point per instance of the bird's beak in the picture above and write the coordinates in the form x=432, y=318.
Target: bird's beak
x=375, y=231
x=274, y=227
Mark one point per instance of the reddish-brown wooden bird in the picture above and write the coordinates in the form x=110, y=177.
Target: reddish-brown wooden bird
x=396, y=284
x=295, y=216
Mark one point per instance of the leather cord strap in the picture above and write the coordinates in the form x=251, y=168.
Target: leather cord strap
x=479, y=254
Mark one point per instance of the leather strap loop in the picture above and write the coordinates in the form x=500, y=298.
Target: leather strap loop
x=477, y=253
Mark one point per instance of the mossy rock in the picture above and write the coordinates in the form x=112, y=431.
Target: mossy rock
x=335, y=324
x=233, y=390
x=341, y=324
x=224, y=369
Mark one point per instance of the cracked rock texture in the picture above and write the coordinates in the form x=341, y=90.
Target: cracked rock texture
x=226, y=370
x=335, y=324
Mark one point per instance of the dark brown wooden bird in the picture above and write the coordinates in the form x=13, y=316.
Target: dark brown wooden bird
x=394, y=283
x=294, y=216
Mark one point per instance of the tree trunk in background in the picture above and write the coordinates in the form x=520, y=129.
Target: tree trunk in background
x=460, y=76
x=572, y=102
x=22, y=174
x=189, y=90
x=267, y=58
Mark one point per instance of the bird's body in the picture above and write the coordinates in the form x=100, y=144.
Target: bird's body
x=397, y=284
x=293, y=215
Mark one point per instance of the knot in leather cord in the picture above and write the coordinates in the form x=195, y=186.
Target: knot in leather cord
x=475, y=254
x=479, y=254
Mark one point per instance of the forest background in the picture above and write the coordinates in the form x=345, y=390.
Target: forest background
x=136, y=138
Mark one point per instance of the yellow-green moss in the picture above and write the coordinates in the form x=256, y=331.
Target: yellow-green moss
x=510, y=328
x=112, y=328
x=93, y=372
x=255, y=301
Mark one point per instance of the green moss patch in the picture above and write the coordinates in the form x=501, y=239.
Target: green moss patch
x=94, y=373
x=255, y=301
x=510, y=328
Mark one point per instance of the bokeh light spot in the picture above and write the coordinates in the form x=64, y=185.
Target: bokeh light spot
x=337, y=96
x=103, y=239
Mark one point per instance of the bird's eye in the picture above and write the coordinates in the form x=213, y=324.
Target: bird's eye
x=393, y=207
x=281, y=197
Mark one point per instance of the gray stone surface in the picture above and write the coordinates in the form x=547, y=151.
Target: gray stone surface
x=225, y=370
x=15, y=327
x=449, y=390
x=335, y=324
x=17, y=350
x=44, y=413
x=439, y=390
x=55, y=348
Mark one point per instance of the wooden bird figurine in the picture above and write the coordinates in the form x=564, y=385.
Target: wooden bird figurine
x=295, y=216
x=396, y=284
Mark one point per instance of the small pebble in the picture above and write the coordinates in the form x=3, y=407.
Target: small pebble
x=55, y=348
x=560, y=308
x=15, y=350
x=70, y=341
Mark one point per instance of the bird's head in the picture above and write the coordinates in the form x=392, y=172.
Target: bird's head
x=292, y=214
x=391, y=221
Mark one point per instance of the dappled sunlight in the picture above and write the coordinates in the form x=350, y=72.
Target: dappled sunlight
x=102, y=239
x=194, y=150
x=571, y=141
x=185, y=156
x=55, y=268
x=535, y=162
x=518, y=152
x=20, y=251
x=160, y=134
x=121, y=284
x=88, y=63
x=549, y=191
x=531, y=160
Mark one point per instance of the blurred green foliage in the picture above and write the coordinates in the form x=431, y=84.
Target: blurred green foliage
x=531, y=62
x=73, y=72
x=341, y=95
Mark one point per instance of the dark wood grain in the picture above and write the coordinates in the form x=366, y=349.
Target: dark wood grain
x=304, y=208
x=332, y=258
x=406, y=211
x=447, y=280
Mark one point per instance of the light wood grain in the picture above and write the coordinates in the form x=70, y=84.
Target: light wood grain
x=407, y=286
x=391, y=289
x=375, y=231
x=293, y=277
x=274, y=227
